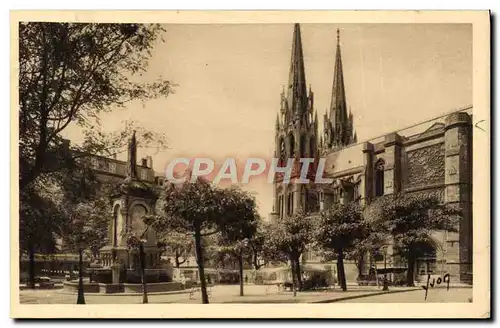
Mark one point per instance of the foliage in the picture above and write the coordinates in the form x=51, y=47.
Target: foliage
x=257, y=244
x=71, y=73
x=372, y=244
x=287, y=238
x=189, y=206
x=338, y=228
x=90, y=205
x=40, y=223
x=180, y=245
x=411, y=219
x=133, y=241
x=200, y=209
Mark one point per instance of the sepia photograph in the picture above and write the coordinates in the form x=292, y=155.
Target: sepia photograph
x=192, y=161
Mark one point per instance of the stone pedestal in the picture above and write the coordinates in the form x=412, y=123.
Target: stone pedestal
x=115, y=271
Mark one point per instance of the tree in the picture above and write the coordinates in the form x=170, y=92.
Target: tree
x=239, y=227
x=96, y=214
x=70, y=73
x=135, y=243
x=198, y=209
x=40, y=224
x=180, y=244
x=87, y=207
x=287, y=239
x=410, y=219
x=257, y=254
x=338, y=228
x=370, y=244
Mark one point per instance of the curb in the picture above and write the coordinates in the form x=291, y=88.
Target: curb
x=184, y=291
x=365, y=295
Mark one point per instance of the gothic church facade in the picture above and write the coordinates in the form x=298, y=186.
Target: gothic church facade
x=436, y=159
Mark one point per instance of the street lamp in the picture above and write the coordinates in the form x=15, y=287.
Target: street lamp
x=386, y=283
x=79, y=227
x=142, y=259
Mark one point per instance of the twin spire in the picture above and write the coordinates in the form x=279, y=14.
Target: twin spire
x=297, y=88
x=338, y=124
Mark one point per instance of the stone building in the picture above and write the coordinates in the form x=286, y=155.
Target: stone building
x=432, y=157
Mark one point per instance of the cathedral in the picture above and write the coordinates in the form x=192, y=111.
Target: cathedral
x=435, y=160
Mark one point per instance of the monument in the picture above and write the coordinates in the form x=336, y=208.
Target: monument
x=119, y=267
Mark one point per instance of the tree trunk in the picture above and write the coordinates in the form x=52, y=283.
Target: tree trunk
x=299, y=274
x=201, y=269
x=340, y=269
x=81, y=297
x=294, y=279
x=31, y=268
x=360, y=264
x=177, y=264
x=142, y=259
x=411, y=269
x=240, y=264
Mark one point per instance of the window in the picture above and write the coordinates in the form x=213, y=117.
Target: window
x=303, y=146
x=291, y=140
x=144, y=175
x=312, y=147
x=112, y=167
x=281, y=206
x=379, y=178
x=290, y=204
x=357, y=194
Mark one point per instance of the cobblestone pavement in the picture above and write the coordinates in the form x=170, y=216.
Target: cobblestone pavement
x=217, y=294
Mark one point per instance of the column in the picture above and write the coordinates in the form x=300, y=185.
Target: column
x=392, y=180
x=458, y=178
x=392, y=169
x=366, y=188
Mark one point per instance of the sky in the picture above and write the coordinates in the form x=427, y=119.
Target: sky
x=229, y=79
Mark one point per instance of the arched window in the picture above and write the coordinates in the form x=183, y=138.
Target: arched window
x=290, y=204
x=379, y=178
x=291, y=141
x=303, y=146
x=427, y=262
x=282, y=152
x=137, y=224
x=312, y=147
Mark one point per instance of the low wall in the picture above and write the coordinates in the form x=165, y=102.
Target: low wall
x=94, y=287
x=88, y=287
x=153, y=287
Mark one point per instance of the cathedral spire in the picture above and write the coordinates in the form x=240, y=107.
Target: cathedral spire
x=338, y=105
x=339, y=117
x=297, y=88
